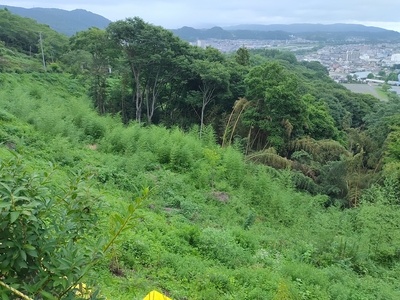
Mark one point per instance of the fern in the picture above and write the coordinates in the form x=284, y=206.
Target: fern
x=208, y=136
x=234, y=166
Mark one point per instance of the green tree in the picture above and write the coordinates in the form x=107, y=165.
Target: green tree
x=242, y=56
x=392, y=77
x=153, y=56
x=319, y=123
x=95, y=42
x=214, y=79
x=316, y=66
x=136, y=42
x=278, y=112
x=166, y=62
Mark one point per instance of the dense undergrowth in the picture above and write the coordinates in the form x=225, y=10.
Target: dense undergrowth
x=213, y=227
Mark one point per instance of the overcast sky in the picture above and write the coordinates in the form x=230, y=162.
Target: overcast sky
x=206, y=13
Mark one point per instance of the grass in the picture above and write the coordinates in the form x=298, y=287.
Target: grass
x=16, y=62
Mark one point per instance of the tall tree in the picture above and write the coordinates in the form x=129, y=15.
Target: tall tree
x=153, y=55
x=278, y=111
x=214, y=79
x=166, y=60
x=135, y=41
x=95, y=42
x=242, y=56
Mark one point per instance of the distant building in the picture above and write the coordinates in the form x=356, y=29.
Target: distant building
x=352, y=55
x=362, y=75
x=395, y=58
x=375, y=81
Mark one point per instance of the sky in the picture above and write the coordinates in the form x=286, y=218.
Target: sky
x=173, y=14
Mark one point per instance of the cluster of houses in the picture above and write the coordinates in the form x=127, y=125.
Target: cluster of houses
x=355, y=62
x=359, y=62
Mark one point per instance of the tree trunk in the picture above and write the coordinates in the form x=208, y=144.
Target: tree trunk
x=208, y=94
x=137, y=97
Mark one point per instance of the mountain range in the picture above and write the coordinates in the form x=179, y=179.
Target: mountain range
x=306, y=27
x=315, y=32
x=70, y=22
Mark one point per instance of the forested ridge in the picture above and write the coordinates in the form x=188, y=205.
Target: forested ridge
x=131, y=161
x=333, y=33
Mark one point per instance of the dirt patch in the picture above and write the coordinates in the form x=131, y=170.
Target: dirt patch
x=220, y=196
x=92, y=147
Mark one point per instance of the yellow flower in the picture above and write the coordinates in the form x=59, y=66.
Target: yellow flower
x=83, y=291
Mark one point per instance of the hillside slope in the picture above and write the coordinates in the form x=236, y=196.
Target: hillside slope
x=63, y=21
x=213, y=227
x=126, y=208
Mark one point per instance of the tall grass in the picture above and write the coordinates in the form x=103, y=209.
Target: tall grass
x=54, y=104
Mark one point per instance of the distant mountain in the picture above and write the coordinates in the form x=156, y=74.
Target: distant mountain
x=314, y=32
x=305, y=27
x=191, y=34
x=63, y=21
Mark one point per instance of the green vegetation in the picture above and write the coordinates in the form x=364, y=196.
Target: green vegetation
x=23, y=34
x=269, y=182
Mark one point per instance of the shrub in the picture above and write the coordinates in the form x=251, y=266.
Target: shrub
x=233, y=163
x=221, y=246
x=42, y=231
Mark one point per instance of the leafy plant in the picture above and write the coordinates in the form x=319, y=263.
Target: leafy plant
x=49, y=234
